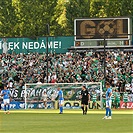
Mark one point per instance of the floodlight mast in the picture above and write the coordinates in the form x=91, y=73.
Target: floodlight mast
x=48, y=33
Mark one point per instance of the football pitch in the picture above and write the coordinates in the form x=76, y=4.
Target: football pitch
x=72, y=121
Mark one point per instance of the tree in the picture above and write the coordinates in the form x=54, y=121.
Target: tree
x=76, y=9
x=8, y=19
x=25, y=17
x=29, y=17
x=35, y=15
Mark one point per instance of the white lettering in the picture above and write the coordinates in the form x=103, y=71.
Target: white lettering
x=56, y=44
x=24, y=45
x=15, y=93
x=30, y=105
x=16, y=45
x=32, y=93
x=22, y=93
x=42, y=45
x=59, y=44
x=50, y=44
x=0, y=45
x=22, y=105
x=131, y=105
x=38, y=92
x=12, y=106
x=36, y=45
x=33, y=45
x=10, y=45
x=30, y=45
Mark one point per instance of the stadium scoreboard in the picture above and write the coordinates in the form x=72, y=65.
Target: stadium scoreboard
x=91, y=31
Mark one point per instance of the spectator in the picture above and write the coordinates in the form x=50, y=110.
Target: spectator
x=70, y=68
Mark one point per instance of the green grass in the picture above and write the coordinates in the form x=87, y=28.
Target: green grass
x=72, y=121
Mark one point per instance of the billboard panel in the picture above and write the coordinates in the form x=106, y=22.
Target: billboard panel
x=58, y=44
x=100, y=28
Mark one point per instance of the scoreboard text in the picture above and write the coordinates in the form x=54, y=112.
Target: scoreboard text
x=100, y=28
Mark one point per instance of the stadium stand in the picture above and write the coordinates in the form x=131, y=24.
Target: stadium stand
x=70, y=67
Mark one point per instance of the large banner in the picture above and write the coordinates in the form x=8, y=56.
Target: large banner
x=35, y=92
x=77, y=105
x=39, y=45
x=32, y=105
x=40, y=105
x=71, y=91
x=67, y=105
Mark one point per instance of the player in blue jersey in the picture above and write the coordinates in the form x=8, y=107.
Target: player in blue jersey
x=0, y=99
x=108, y=102
x=61, y=100
x=6, y=99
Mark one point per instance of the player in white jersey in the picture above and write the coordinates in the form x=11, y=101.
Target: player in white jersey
x=45, y=98
x=6, y=99
x=53, y=97
x=108, y=102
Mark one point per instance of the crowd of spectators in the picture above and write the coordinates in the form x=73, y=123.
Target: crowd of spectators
x=71, y=67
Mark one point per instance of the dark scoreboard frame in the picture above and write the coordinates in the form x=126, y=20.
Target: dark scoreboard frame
x=102, y=28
